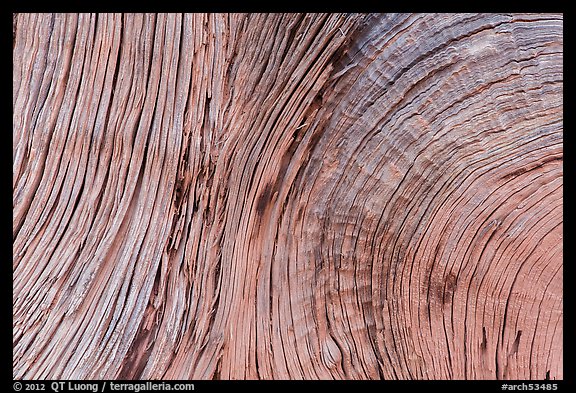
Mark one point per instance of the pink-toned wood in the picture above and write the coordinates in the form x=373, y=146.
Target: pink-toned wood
x=230, y=196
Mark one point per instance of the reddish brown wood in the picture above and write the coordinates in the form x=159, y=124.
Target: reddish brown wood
x=286, y=196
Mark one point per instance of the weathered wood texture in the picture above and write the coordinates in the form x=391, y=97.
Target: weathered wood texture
x=287, y=196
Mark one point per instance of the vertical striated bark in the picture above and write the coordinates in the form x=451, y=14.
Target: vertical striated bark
x=287, y=196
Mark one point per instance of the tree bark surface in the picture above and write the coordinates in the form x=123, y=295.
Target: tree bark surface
x=286, y=196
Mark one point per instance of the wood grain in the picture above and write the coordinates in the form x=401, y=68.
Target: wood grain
x=287, y=196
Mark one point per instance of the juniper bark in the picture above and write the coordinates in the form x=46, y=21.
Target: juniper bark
x=287, y=196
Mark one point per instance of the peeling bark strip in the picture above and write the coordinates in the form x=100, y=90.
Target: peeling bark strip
x=287, y=196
